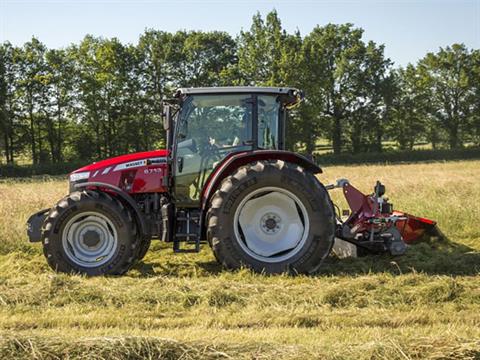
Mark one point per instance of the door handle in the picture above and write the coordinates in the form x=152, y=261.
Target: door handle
x=180, y=164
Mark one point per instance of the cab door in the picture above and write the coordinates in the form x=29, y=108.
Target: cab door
x=209, y=128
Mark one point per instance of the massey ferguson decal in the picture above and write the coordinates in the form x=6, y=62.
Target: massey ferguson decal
x=129, y=165
x=138, y=163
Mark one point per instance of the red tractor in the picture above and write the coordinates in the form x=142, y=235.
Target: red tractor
x=226, y=178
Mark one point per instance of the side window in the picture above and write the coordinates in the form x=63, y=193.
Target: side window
x=268, y=110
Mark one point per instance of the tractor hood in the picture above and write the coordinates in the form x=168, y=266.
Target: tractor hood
x=134, y=173
x=123, y=159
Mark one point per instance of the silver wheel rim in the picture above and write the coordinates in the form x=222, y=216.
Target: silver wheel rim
x=89, y=239
x=271, y=224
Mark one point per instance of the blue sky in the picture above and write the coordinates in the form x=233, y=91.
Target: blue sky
x=408, y=28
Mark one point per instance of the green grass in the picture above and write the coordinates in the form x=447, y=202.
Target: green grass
x=424, y=304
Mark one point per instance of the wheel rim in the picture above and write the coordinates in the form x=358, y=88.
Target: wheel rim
x=271, y=224
x=89, y=239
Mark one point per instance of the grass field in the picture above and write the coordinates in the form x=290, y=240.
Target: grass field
x=425, y=304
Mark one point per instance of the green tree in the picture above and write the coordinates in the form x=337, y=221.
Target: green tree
x=31, y=94
x=269, y=56
x=155, y=73
x=474, y=75
x=347, y=83
x=198, y=58
x=88, y=140
x=104, y=70
x=57, y=107
x=409, y=109
x=263, y=52
x=141, y=119
x=259, y=50
x=8, y=129
x=446, y=74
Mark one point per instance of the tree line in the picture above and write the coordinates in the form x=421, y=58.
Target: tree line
x=101, y=98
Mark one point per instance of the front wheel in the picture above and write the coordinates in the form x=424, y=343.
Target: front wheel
x=91, y=233
x=273, y=217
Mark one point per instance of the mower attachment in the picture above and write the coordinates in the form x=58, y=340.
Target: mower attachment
x=373, y=225
x=413, y=228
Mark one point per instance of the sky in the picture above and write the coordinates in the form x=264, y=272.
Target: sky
x=408, y=28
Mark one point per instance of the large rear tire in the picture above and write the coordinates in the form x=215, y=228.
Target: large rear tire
x=144, y=246
x=91, y=233
x=272, y=217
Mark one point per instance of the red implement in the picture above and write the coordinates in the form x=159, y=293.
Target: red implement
x=372, y=221
x=414, y=227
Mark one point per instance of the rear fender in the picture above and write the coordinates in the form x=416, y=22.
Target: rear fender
x=234, y=161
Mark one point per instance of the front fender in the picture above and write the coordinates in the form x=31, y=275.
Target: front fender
x=125, y=197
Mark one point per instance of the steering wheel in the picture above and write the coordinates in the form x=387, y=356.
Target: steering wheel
x=210, y=149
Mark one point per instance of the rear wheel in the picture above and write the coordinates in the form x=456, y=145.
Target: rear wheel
x=92, y=233
x=144, y=246
x=271, y=216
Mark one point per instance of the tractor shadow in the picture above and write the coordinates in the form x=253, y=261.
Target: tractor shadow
x=433, y=255
x=162, y=261
x=189, y=269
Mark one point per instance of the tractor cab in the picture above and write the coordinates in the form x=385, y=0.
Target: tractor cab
x=207, y=125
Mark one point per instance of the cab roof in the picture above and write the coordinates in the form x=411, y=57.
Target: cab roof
x=238, y=89
x=290, y=97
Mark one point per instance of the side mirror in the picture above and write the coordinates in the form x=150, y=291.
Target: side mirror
x=166, y=117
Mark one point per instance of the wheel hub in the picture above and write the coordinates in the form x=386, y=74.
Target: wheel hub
x=91, y=238
x=271, y=224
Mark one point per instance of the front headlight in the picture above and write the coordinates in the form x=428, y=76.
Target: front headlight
x=79, y=176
